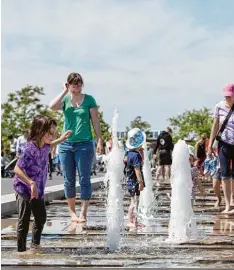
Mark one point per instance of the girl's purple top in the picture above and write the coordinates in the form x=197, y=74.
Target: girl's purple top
x=34, y=162
x=221, y=111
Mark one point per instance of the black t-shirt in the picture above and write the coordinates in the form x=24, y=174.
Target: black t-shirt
x=201, y=150
x=164, y=142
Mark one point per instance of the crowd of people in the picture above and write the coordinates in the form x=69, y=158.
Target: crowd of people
x=36, y=148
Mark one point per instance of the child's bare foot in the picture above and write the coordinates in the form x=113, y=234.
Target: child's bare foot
x=226, y=210
x=157, y=184
x=140, y=225
x=218, y=203
x=133, y=229
x=131, y=225
x=230, y=213
x=24, y=253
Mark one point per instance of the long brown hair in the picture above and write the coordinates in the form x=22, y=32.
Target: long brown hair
x=40, y=126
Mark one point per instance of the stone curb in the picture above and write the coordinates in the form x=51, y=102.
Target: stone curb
x=8, y=202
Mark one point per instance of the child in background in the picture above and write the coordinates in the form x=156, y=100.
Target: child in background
x=30, y=180
x=195, y=175
x=134, y=173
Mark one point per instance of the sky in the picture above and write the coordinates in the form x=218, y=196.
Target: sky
x=149, y=58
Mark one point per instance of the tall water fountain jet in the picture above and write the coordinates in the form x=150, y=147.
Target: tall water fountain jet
x=115, y=212
x=182, y=225
x=147, y=200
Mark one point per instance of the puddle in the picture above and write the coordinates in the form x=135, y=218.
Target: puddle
x=67, y=243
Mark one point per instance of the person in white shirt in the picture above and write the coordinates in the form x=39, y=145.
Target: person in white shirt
x=13, y=143
x=21, y=142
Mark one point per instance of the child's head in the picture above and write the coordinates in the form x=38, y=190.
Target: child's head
x=2, y=154
x=191, y=154
x=136, y=139
x=42, y=130
x=75, y=83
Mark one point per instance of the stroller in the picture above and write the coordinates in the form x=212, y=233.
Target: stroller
x=9, y=169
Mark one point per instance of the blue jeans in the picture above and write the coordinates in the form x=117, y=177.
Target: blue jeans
x=226, y=156
x=76, y=156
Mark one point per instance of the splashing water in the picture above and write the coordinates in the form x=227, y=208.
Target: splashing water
x=115, y=213
x=147, y=200
x=182, y=226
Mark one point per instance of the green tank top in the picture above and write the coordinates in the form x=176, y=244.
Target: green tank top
x=78, y=119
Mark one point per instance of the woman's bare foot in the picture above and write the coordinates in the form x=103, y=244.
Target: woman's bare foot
x=81, y=219
x=72, y=227
x=218, y=202
x=74, y=217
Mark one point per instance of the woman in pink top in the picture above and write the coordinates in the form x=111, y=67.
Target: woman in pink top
x=226, y=144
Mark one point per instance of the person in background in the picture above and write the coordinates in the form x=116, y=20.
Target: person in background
x=3, y=164
x=200, y=153
x=150, y=153
x=225, y=144
x=164, y=146
x=13, y=143
x=195, y=176
x=55, y=157
x=109, y=145
x=21, y=142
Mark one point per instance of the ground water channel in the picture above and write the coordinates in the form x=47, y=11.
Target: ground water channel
x=68, y=244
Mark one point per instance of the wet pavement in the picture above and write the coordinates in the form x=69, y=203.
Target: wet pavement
x=69, y=244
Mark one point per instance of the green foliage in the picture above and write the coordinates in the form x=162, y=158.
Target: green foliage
x=57, y=115
x=104, y=128
x=191, y=124
x=20, y=108
x=139, y=123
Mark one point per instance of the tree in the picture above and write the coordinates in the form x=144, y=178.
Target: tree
x=20, y=108
x=104, y=128
x=139, y=123
x=57, y=115
x=191, y=124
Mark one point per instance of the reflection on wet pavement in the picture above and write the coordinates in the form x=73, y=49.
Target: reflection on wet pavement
x=67, y=243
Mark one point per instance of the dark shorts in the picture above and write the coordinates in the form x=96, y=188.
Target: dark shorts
x=226, y=159
x=217, y=175
x=164, y=158
x=133, y=187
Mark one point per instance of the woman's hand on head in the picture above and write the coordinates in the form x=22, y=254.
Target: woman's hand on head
x=65, y=88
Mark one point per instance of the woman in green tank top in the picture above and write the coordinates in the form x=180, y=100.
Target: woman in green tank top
x=76, y=153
